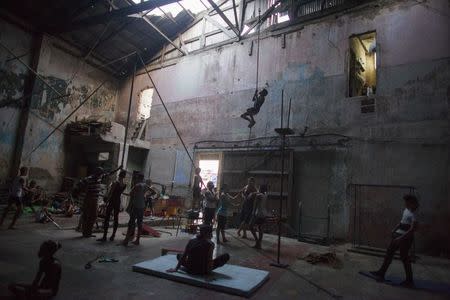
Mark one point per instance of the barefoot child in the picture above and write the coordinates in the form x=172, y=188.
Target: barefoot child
x=113, y=205
x=210, y=204
x=247, y=207
x=402, y=238
x=46, y=282
x=225, y=201
x=136, y=208
x=259, y=215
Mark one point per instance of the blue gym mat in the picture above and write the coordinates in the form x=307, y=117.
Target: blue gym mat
x=230, y=279
x=419, y=284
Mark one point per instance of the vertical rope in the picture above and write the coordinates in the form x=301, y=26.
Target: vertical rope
x=257, y=50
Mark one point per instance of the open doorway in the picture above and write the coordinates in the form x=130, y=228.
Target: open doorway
x=210, y=170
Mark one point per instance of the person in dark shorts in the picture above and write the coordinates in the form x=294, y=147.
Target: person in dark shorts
x=402, y=239
x=197, y=189
x=46, y=282
x=259, y=214
x=113, y=205
x=247, y=207
x=17, y=191
x=258, y=100
x=210, y=206
x=136, y=209
x=225, y=201
x=93, y=187
x=150, y=196
x=197, y=257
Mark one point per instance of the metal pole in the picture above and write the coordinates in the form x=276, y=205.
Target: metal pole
x=129, y=112
x=283, y=137
x=289, y=112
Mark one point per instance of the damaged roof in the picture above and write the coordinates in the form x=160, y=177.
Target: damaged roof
x=108, y=32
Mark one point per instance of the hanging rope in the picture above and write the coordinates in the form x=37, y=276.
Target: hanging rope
x=257, y=49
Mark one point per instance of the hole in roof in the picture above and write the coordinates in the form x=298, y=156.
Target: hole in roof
x=173, y=9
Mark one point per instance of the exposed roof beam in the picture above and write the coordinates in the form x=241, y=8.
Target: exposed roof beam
x=235, y=14
x=147, y=20
x=217, y=24
x=242, y=7
x=222, y=15
x=263, y=17
x=118, y=13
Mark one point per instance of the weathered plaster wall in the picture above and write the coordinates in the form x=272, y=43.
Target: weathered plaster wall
x=404, y=142
x=12, y=78
x=68, y=75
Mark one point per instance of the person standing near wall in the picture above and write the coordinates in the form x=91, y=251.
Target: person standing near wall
x=210, y=204
x=113, y=205
x=16, y=194
x=402, y=238
x=136, y=209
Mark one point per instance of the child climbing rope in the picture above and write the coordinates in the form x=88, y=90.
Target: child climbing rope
x=258, y=101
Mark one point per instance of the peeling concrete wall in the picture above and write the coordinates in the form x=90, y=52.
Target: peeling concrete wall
x=12, y=78
x=68, y=75
x=405, y=141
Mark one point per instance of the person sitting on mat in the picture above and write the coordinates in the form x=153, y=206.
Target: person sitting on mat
x=225, y=201
x=197, y=258
x=113, y=205
x=258, y=100
x=209, y=210
x=49, y=268
x=247, y=207
x=402, y=238
x=259, y=214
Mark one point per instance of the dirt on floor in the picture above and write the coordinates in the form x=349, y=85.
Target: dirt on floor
x=115, y=280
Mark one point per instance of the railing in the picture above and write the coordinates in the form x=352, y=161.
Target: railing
x=315, y=6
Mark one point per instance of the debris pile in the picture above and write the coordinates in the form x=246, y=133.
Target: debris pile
x=329, y=259
x=88, y=126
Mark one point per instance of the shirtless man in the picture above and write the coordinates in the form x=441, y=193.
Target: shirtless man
x=197, y=258
x=258, y=100
x=259, y=215
x=16, y=194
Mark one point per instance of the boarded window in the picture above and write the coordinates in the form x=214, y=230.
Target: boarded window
x=362, y=68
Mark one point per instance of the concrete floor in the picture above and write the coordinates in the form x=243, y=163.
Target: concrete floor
x=18, y=262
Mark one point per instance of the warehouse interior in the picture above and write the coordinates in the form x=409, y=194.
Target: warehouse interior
x=336, y=110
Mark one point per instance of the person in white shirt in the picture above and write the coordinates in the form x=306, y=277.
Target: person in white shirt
x=209, y=210
x=259, y=214
x=402, y=238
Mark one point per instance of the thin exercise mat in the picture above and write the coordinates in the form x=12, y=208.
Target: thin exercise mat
x=229, y=279
x=419, y=284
